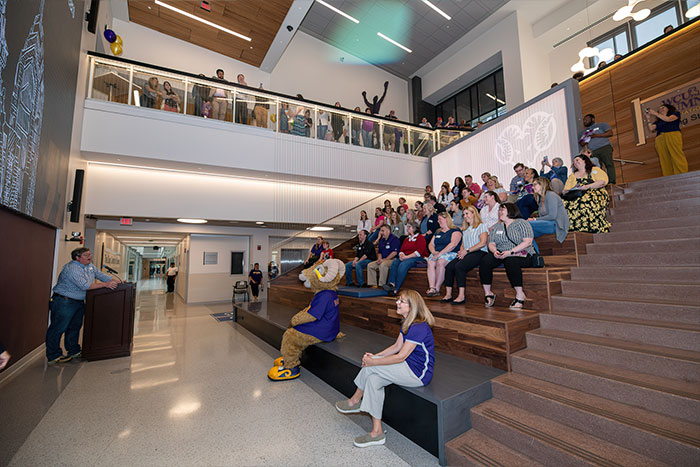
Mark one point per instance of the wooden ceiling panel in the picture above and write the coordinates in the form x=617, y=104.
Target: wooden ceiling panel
x=259, y=20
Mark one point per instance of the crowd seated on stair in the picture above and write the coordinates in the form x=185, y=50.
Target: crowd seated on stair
x=388, y=249
x=585, y=197
x=443, y=248
x=412, y=254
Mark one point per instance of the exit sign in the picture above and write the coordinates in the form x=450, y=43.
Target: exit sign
x=205, y=6
x=126, y=221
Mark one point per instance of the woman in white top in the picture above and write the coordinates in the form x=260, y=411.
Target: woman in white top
x=364, y=223
x=492, y=184
x=475, y=236
x=489, y=213
x=445, y=195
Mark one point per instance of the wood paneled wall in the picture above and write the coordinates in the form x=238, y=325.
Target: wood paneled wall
x=27, y=251
x=671, y=62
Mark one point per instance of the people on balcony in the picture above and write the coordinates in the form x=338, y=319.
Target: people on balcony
x=367, y=131
x=171, y=100
x=241, y=102
x=219, y=98
x=338, y=125
x=356, y=129
x=151, y=93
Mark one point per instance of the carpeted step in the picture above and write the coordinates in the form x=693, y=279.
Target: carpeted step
x=664, y=203
x=648, y=234
x=650, y=434
x=688, y=294
x=659, y=274
x=667, y=181
x=687, y=314
x=547, y=441
x=474, y=449
x=645, y=246
x=661, y=333
x=615, y=352
x=674, y=398
x=649, y=214
x=646, y=223
x=672, y=258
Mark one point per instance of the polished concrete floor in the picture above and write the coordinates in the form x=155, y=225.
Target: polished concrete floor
x=194, y=392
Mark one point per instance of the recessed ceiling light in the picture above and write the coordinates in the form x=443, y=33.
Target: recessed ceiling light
x=321, y=228
x=260, y=222
x=192, y=221
x=447, y=17
x=388, y=39
x=201, y=20
x=342, y=13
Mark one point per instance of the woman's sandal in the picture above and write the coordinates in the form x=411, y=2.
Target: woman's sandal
x=490, y=301
x=432, y=293
x=514, y=304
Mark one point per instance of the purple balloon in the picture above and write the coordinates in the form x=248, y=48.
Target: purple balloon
x=110, y=35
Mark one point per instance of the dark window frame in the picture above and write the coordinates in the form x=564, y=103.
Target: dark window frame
x=473, y=103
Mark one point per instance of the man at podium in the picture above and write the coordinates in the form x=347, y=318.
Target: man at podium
x=67, y=304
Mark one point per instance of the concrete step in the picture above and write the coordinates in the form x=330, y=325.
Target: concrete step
x=654, y=203
x=647, y=433
x=648, y=214
x=665, y=274
x=475, y=449
x=615, y=352
x=651, y=234
x=645, y=246
x=673, y=398
x=672, y=258
x=615, y=307
x=661, y=333
x=549, y=442
x=680, y=294
x=647, y=223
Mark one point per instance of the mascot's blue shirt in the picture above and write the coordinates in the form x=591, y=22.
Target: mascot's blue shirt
x=324, y=307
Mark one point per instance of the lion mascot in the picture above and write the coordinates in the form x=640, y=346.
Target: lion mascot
x=318, y=322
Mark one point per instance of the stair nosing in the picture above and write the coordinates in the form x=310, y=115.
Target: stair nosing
x=624, y=320
x=641, y=382
x=654, y=429
x=626, y=300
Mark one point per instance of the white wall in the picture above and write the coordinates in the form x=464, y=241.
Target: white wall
x=214, y=282
x=313, y=68
x=115, y=254
x=182, y=262
x=111, y=129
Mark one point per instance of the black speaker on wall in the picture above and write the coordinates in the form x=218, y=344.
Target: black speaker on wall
x=74, y=205
x=91, y=16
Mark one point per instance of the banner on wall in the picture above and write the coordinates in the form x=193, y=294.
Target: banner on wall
x=686, y=100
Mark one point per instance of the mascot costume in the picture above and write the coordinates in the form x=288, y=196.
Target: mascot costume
x=318, y=322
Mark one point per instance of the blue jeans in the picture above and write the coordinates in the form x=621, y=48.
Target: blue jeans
x=367, y=138
x=527, y=205
x=356, y=137
x=373, y=236
x=66, y=317
x=399, y=269
x=542, y=228
x=359, y=272
x=322, y=130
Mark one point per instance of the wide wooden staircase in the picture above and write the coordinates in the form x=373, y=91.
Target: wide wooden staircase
x=612, y=376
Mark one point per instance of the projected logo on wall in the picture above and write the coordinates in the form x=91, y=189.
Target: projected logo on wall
x=22, y=122
x=528, y=142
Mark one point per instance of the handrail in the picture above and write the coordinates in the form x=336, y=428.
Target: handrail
x=250, y=90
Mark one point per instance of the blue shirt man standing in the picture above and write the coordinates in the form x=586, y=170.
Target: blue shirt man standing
x=68, y=304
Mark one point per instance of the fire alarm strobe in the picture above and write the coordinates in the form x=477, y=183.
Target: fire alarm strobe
x=205, y=6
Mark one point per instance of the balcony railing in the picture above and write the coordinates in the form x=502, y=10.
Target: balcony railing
x=132, y=83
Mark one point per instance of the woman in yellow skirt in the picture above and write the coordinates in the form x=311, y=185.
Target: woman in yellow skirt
x=669, y=142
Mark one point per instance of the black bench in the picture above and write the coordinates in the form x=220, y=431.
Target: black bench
x=430, y=416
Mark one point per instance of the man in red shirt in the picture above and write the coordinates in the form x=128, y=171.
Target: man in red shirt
x=412, y=254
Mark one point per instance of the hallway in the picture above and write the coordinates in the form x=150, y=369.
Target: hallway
x=194, y=392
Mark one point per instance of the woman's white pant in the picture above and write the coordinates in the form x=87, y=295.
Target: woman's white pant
x=373, y=379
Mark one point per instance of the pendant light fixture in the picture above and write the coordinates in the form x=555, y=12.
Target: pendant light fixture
x=590, y=52
x=626, y=12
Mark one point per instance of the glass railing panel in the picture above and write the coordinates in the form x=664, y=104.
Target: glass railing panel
x=339, y=129
x=256, y=109
x=447, y=136
x=356, y=130
x=421, y=142
x=301, y=120
x=199, y=98
x=369, y=135
x=394, y=138
x=158, y=91
x=110, y=82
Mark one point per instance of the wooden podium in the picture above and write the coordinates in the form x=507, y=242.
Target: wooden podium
x=109, y=322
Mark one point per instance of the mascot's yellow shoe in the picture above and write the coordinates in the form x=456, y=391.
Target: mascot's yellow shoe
x=279, y=361
x=280, y=373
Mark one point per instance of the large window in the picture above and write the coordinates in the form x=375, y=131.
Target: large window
x=481, y=101
x=632, y=35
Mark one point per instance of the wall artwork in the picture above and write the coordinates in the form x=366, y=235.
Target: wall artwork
x=39, y=54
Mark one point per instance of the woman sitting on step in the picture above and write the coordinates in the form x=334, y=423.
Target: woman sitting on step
x=408, y=362
x=510, y=244
x=443, y=248
x=553, y=218
x=585, y=197
x=475, y=236
x=412, y=254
